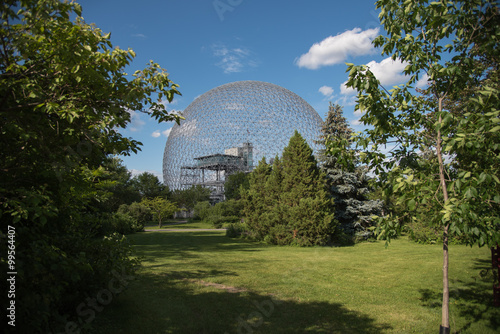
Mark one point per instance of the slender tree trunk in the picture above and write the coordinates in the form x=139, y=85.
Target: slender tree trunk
x=445, y=322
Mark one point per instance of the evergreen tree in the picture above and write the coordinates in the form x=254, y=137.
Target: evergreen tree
x=254, y=199
x=348, y=183
x=307, y=210
x=273, y=216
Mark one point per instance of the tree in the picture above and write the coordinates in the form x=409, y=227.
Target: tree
x=161, y=208
x=346, y=179
x=187, y=198
x=64, y=97
x=253, y=198
x=308, y=208
x=233, y=184
x=148, y=185
x=288, y=204
x=440, y=41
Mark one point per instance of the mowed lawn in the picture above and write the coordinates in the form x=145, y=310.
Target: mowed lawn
x=204, y=282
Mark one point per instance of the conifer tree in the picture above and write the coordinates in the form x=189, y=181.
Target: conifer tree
x=254, y=199
x=347, y=182
x=308, y=211
x=273, y=216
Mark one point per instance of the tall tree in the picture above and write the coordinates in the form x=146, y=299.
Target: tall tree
x=308, y=208
x=439, y=41
x=64, y=96
x=233, y=184
x=148, y=185
x=288, y=203
x=347, y=180
x=254, y=198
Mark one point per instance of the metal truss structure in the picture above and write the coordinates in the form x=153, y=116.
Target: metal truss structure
x=232, y=127
x=210, y=171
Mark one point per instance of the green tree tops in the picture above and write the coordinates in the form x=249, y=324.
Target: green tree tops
x=161, y=208
x=440, y=42
x=348, y=183
x=289, y=204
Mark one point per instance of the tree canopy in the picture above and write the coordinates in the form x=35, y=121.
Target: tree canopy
x=64, y=97
x=453, y=45
x=288, y=203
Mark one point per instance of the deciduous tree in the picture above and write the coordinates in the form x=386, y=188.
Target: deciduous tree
x=64, y=97
x=438, y=41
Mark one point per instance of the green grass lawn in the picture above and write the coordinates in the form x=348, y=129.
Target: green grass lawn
x=179, y=224
x=203, y=282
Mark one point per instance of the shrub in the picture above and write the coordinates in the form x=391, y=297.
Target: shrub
x=235, y=230
x=141, y=213
x=202, y=209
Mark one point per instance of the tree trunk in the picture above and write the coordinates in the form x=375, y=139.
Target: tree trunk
x=445, y=321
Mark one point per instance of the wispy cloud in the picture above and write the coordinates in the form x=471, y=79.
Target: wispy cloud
x=136, y=123
x=327, y=91
x=336, y=49
x=158, y=133
x=139, y=36
x=233, y=60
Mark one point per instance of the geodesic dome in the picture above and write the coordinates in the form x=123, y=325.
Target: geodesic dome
x=255, y=113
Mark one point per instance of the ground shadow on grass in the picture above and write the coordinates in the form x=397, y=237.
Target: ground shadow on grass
x=472, y=300
x=182, y=303
x=188, y=244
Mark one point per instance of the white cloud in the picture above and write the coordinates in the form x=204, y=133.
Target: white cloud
x=335, y=49
x=344, y=90
x=157, y=133
x=327, y=91
x=423, y=81
x=139, y=36
x=136, y=123
x=233, y=60
x=388, y=71
x=356, y=122
x=166, y=132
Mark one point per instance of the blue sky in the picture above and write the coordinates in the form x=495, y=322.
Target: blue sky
x=302, y=46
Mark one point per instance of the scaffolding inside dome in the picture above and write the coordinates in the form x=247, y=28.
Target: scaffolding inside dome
x=211, y=171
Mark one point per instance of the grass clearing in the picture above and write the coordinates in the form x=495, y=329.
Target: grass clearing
x=180, y=224
x=203, y=282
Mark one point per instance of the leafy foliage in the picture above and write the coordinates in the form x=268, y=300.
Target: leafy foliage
x=160, y=207
x=234, y=185
x=148, y=185
x=187, y=198
x=225, y=212
x=139, y=212
x=64, y=98
x=443, y=42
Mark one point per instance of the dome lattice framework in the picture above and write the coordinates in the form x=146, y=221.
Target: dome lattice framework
x=240, y=114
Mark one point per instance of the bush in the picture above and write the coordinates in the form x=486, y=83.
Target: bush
x=141, y=213
x=226, y=212
x=202, y=210
x=235, y=230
